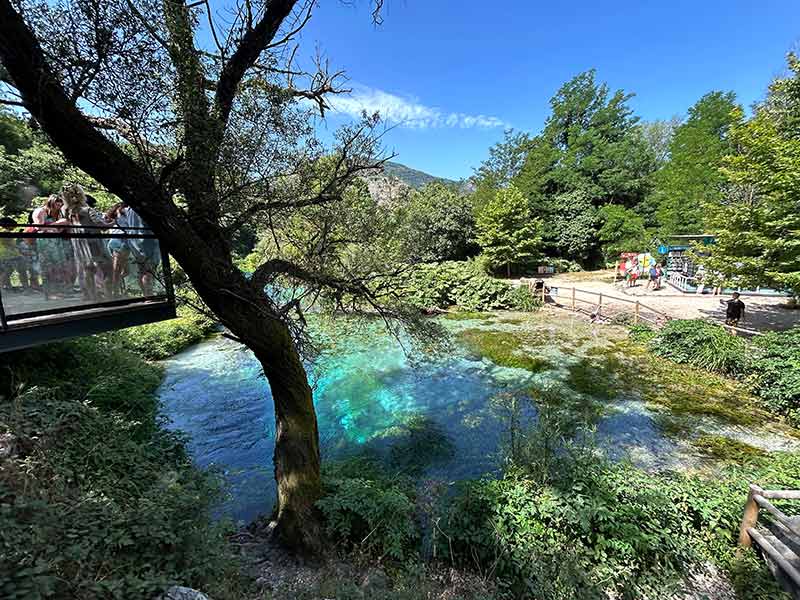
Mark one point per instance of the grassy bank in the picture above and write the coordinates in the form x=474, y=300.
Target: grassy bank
x=97, y=500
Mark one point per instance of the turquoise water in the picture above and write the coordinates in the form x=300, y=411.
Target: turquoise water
x=428, y=416
x=369, y=397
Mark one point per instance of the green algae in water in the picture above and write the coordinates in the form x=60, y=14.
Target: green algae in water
x=502, y=348
x=469, y=316
x=727, y=449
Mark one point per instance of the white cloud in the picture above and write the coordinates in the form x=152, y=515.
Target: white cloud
x=406, y=112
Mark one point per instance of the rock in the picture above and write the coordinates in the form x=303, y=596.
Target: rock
x=177, y=592
x=8, y=445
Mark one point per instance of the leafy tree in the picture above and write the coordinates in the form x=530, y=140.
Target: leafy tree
x=757, y=216
x=504, y=163
x=203, y=135
x=437, y=224
x=507, y=232
x=590, y=153
x=692, y=176
x=590, y=143
x=622, y=231
x=14, y=132
x=658, y=137
x=573, y=225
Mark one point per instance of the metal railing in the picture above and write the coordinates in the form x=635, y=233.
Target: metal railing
x=64, y=271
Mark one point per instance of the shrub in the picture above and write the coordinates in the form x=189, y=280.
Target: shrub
x=701, y=344
x=774, y=371
x=521, y=298
x=98, y=501
x=463, y=284
x=372, y=515
x=641, y=333
x=157, y=341
x=606, y=528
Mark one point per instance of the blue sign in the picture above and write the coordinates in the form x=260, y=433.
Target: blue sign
x=662, y=249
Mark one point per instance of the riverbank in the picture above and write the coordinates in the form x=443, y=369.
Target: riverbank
x=97, y=500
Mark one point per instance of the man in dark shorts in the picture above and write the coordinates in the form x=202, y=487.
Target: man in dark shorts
x=735, y=310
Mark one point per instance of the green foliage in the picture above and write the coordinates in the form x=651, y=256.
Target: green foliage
x=157, y=341
x=571, y=225
x=774, y=371
x=596, y=527
x=701, y=344
x=462, y=284
x=99, y=501
x=523, y=299
x=504, y=163
x=372, y=515
x=622, y=231
x=564, y=522
x=692, y=175
x=591, y=152
x=507, y=231
x=756, y=220
x=436, y=224
x=641, y=333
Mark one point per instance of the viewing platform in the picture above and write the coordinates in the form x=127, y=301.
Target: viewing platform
x=57, y=284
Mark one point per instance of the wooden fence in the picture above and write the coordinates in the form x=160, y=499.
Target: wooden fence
x=779, y=540
x=594, y=303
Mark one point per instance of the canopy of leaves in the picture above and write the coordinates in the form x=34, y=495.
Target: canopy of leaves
x=757, y=217
x=692, y=177
x=436, y=224
x=507, y=232
x=590, y=143
x=622, y=231
x=504, y=163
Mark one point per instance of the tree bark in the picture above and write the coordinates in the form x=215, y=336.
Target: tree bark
x=296, y=455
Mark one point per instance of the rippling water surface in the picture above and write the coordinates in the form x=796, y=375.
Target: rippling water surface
x=372, y=397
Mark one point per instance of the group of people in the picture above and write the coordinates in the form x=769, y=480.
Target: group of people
x=96, y=267
x=634, y=271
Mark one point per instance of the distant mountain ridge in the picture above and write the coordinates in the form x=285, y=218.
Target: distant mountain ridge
x=396, y=180
x=412, y=177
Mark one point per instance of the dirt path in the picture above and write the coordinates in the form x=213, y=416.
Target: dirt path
x=762, y=313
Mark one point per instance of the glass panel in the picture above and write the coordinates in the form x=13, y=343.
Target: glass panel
x=39, y=273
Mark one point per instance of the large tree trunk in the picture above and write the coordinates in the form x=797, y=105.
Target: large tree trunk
x=296, y=456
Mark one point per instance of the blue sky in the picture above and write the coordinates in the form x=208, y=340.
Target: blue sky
x=452, y=74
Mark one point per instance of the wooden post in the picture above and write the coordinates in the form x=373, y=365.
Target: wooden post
x=750, y=517
x=599, y=304
x=543, y=286
x=573, y=299
x=636, y=313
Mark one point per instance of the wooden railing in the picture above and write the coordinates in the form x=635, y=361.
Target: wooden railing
x=640, y=311
x=575, y=299
x=787, y=560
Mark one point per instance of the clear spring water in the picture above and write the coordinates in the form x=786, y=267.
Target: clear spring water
x=370, y=396
x=366, y=394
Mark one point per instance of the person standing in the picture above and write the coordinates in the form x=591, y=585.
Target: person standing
x=734, y=311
